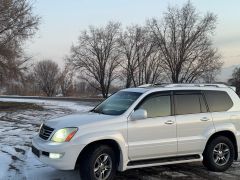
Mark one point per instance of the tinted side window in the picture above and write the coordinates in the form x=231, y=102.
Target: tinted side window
x=218, y=101
x=187, y=104
x=157, y=105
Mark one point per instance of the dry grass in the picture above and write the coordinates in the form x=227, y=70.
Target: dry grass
x=14, y=106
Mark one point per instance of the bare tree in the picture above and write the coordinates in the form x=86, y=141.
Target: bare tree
x=83, y=88
x=66, y=80
x=235, y=80
x=141, y=60
x=151, y=68
x=17, y=24
x=96, y=56
x=14, y=75
x=183, y=38
x=31, y=87
x=46, y=73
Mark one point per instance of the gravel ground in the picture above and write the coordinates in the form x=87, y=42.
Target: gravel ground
x=17, y=162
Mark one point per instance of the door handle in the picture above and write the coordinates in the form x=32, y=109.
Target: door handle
x=204, y=119
x=169, y=122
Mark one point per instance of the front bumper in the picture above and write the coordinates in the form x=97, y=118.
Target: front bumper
x=69, y=150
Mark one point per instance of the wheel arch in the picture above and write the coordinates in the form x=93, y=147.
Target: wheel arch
x=110, y=142
x=228, y=134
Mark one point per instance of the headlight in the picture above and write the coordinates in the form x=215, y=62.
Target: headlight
x=64, y=135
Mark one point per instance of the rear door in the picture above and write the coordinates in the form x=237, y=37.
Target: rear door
x=193, y=121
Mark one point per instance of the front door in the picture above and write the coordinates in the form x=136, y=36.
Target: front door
x=155, y=136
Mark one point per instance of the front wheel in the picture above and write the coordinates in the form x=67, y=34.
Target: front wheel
x=98, y=164
x=219, y=154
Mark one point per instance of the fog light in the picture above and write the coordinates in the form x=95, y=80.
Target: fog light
x=55, y=155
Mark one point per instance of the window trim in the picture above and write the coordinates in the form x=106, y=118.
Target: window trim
x=160, y=93
x=205, y=101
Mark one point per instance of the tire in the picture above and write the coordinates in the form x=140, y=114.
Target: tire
x=219, y=154
x=92, y=161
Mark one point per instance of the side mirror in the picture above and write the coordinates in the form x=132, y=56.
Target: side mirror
x=139, y=114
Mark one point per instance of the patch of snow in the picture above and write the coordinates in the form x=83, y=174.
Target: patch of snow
x=75, y=106
x=16, y=132
x=4, y=161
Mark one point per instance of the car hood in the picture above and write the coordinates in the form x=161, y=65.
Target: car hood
x=76, y=120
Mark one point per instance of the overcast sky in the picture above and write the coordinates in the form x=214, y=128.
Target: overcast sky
x=63, y=20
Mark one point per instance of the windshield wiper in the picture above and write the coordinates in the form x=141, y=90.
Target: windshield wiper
x=96, y=111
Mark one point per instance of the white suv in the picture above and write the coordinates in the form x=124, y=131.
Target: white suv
x=147, y=126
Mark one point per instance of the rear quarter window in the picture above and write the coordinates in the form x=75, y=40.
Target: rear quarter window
x=218, y=101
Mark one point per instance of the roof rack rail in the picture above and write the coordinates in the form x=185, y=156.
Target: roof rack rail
x=196, y=85
x=169, y=85
x=145, y=85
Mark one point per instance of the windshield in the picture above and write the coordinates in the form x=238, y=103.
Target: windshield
x=118, y=103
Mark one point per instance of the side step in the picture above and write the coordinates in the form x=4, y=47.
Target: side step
x=164, y=161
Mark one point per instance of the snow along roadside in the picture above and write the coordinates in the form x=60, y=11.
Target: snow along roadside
x=74, y=106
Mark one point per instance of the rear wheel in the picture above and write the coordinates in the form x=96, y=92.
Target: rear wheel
x=99, y=163
x=219, y=154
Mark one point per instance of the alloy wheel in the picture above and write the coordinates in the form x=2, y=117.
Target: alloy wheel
x=103, y=167
x=221, y=154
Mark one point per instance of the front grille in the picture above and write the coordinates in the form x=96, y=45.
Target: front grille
x=45, y=132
